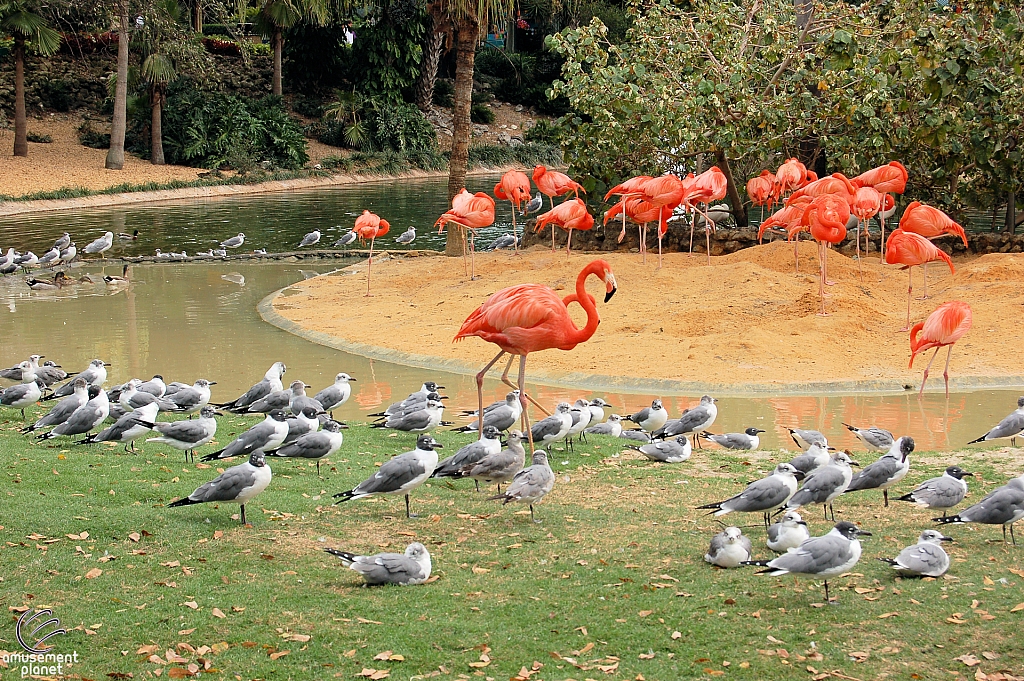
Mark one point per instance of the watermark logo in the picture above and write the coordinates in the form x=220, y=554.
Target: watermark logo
x=34, y=631
x=35, y=641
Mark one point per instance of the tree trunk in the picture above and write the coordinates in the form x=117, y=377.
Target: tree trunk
x=278, y=46
x=1011, y=212
x=118, y=125
x=428, y=69
x=20, y=120
x=462, y=128
x=804, y=11
x=739, y=211
x=156, y=156
x=197, y=16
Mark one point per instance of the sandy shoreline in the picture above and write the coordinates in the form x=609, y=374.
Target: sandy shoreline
x=745, y=325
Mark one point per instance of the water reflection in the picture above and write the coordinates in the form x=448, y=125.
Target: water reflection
x=190, y=321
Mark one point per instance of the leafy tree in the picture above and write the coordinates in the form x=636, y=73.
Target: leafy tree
x=388, y=48
x=846, y=86
x=277, y=15
x=22, y=19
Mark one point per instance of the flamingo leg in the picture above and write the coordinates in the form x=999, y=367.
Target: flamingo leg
x=881, y=222
x=515, y=233
x=827, y=282
x=796, y=253
x=622, y=234
x=693, y=224
x=924, y=272
x=369, y=264
x=927, y=368
x=480, y=392
x=822, y=257
x=945, y=372
x=507, y=381
x=522, y=401
x=568, y=243
x=465, y=248
x=552, y=238
x=860, y=267
x=659, y=247
x=641, y=234
x=707, y=235
x=910, y=291
x=472, y=254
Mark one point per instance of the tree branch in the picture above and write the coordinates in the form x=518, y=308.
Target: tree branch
x=789, y=57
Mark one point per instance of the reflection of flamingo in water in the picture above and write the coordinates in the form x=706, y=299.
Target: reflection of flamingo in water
x=909, y=249
x=370, y=226
x=931, y=223
x=373, y=394
x=514, y=186
x=531, y=317
x=943, y=327
x=469, y=211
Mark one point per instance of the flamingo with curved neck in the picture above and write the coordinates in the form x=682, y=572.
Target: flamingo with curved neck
x=531, y=317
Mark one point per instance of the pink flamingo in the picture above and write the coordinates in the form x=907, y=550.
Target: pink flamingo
x=531, y=317
x=826, y=216
x=370, y=226
x=469, y=211
x=628, y=190
x=943, y=327
x=931, y=223
x=909, y=249
x=569, y=215
x=865, y=205
x=892, y=177
x=514, y=186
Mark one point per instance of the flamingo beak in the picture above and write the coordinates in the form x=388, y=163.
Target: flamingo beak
x=609, y=280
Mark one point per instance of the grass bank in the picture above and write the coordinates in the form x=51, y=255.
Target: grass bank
x=610, y=585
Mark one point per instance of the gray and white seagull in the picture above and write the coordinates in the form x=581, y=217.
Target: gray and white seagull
x=405, y=569
x=310, y=239
x=187, y=435
x=238, y=484
x=825, y=556
x=316, y=445
x=531, y=484
x=94, y=374
x=650, y=418
x=789, y=533
x=233, y=242
x=22, y=395
x=1002, y=506
x=815, y=457
x=612, y=427
x=692, y=421
x=268, y=434
x=126, y=429
x=825, y=484
x=729, y=548
x=85, y=418
x=667, y=451
x=400, y=475
x=874, y=438
x=336, y=394
x=805, y=438
x=887, y=470
x=270, y=383
x=502, y=415
x=748, y=439
x=193, y=398
x=943, y=492
x=452, y=466
x=762, y=496
x=419, y=421
x=1010, y=427
x=926, y=558
x=501, y=467
x=554, y=427
x=63, y=410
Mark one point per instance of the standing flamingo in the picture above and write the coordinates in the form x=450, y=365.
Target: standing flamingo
x=711, y=185
x=790, y=218
x=553, y=183
x=931, y=223
x=662, y=193
x=515, y=187
x=909, y=249
x=892, y=177
x=945, y=326
x=836, y=183
x=569, y=215
x=826, y=216
x=865, y=205
x=791, y=175
x=761, y=190
x=469, y=211
x=626, y=190
x=530, y=317
x=641, y=212
x=370, y=226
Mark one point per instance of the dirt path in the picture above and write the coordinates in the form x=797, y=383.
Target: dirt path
x=745, y=324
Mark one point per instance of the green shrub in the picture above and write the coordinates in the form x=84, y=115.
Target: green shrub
x=214, y=130
x=444, y=93
x=310, y=107
x=37, y=138
x=376, y=125
x=94, y=139
x=481, y=113
x=259, y=49
x=55, y=94
x=482, y=97
x=545, y=132
x=498, y=155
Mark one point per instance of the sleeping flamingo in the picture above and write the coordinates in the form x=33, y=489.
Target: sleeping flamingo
x=568, y=215
x=761, y=190
x=943, y=327
x=370, y=226
x=630, y=189
x=469, y=211
x=641, y=212
x=892, y=177
x=660, y=193
x=826, y=216
x=865, y=205
x=909, y=249
x=553, y=183
x=931, y=223
x=792, y=175
x=514, y=186
x=711, y=185
x=531, y=317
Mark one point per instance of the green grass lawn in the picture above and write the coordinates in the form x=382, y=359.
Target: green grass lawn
x=611, y=585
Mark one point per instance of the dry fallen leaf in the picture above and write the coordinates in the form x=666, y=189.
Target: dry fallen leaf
x=676, y=635
x=93, y=574
x=135, y=536
x=278, y=654
x=300, y=638
x=859, y=656
x=1017, y=608
x=218, y=613
x=645, y=613
x=191, y=604
x=968, y=659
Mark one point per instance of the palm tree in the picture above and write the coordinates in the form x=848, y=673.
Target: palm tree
x=465, y=17
x=159, y=68
x=119, y=120
x=277, y=15
x=24, y=24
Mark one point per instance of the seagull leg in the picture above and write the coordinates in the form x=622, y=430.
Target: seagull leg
x=243, y=514
x=480, y=392
x=477, y=483
x=533, y=517
x=318, y=467
x=921, y=391
x=827, y=598
x=824, y=507
x=1012, y=538
x=885, y=496
x=945, y=372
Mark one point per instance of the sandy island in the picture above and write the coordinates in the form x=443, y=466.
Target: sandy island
x=746, y=324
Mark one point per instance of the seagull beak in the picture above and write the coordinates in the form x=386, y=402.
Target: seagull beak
x=218, y=413
x=945, y=538
x=351, y=380
x=342, y=425
x=212, y=382
x=799, y=475
x=802, y=522
x=854, y=463
x=443, y=397
x=439, y=387
x=863, y=532
x=970, y=474
x=107, y=364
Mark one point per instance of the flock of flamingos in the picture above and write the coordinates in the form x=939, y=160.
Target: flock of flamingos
x=531, y=317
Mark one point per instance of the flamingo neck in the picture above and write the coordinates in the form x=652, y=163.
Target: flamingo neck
x=587, y=302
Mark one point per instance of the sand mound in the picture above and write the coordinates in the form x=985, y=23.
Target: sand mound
x=745, y=320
